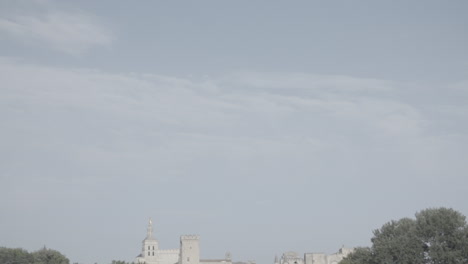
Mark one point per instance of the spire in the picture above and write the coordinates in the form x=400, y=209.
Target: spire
x=276, y=259
x=149, y=233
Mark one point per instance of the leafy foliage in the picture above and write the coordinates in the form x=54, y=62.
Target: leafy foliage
x=15, y=256
x=397, y=242
x=49, y=256
x=21, y=256
x=436, y=236
x=360, y=255
x=444, y=233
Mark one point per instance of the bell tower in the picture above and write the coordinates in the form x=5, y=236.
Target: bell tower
x=150, y=245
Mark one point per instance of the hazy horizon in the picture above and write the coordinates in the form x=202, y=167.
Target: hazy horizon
x=263, y=127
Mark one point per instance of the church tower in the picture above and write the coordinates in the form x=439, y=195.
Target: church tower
x=150, y=246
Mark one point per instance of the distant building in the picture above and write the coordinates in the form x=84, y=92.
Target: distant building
x=313, y=258
x=187, y=253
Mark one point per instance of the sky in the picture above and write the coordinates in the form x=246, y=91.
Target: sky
x=262, y=126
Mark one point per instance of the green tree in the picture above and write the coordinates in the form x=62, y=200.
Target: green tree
x=49, y=256
x=15, y=256
x=444, y=234
x=436, y=236
x=397, y=242
x=360, y=256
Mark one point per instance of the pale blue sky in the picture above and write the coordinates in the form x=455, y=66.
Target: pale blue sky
x=264, y=127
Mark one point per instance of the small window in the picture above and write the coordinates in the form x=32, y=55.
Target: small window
x=148, y=253
x=148, y=247
x=153, y=253
x=188, y=259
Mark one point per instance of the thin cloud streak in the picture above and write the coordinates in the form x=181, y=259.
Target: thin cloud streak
x=138, y=107
x=70, y=32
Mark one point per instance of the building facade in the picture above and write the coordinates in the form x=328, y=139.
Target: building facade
x=313, y=258
x=187, y=253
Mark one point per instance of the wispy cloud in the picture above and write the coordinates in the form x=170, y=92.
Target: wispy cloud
x=226, y=111
x=71, y=32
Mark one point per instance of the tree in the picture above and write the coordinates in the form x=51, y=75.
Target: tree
x=436, y=236
x=397, y=242
x=360, y=255
x=49, y=256
x=444, y=234
x=15, y=256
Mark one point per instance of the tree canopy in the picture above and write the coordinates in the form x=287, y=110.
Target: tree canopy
x=21, y=256
x=435, y=236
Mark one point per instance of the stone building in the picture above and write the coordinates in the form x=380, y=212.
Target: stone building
x=187, y=253
x=313, y=258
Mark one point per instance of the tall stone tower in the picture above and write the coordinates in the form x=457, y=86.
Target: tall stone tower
x=150, y=245
x=189, y=249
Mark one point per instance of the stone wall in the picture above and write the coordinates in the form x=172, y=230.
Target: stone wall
x=168, y=256
x=189, y=249
x=320, y=258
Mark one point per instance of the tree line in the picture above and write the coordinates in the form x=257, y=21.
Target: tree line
x=434, y=236
x=42, y=256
